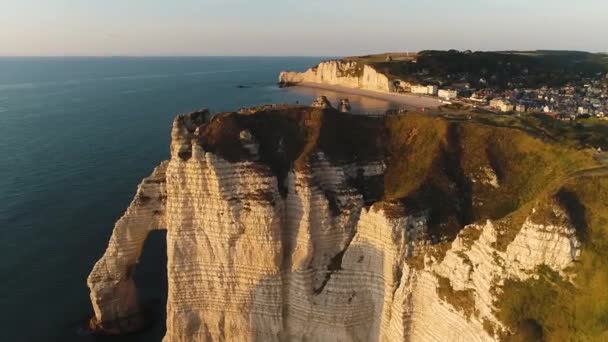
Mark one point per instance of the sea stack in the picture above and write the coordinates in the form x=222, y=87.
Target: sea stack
x=344, y=106
x=321, y=102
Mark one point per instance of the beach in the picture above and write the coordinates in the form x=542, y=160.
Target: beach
x=413, y=101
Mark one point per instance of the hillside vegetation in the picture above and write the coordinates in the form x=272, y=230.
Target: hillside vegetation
x=467, y=171
x=552, y=307
x=461, y=169
x=538, y=164
x=579, y=134
x=531, y=69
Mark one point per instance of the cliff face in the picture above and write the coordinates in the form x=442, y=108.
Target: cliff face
x=343, y=73
x=282, y=227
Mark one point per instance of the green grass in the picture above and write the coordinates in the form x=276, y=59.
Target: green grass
x=414, y=141
x=566, y=311
x=534, y=161
x=461, y=300
x=537, y=162
x=590, y=133
x=431, y=161
x=379, y=58
x=531, y=309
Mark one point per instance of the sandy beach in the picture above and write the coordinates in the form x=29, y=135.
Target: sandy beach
x=402, y=99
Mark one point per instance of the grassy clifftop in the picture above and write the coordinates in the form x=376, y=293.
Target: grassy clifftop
x=551, y=308
x=537, y=164
x=468, y=171
x=460, y=171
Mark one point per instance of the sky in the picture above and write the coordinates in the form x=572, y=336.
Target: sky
x=296, y=27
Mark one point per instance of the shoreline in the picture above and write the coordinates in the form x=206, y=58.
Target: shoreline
x=403, y=99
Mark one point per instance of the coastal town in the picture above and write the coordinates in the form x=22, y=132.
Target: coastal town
x=563, y=85
x=585, y=99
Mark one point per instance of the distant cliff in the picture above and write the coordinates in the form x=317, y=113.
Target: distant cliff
x=307, y=224
x=398, y=72
x=349, y=74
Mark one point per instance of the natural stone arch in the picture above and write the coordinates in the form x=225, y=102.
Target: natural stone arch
x=113, y=292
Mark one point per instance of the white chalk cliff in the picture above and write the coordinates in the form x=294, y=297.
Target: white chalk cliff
x=271, y=242
x=342, y=73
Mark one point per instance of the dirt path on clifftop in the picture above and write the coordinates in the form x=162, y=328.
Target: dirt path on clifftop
x=593, y=172
x=598, y=171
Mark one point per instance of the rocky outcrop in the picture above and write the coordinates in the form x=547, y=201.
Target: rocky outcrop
x=321, y=102
x=275, y=234
x=113, y=291
x=349, y=74
x=344, y=106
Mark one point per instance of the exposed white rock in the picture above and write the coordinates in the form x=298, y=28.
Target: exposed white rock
x=537, y=244
x=247, y=263
x=342, y=73
x=113, y=292
x=487, y=176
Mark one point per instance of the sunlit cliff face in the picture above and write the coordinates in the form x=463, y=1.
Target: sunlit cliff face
x=304, y=223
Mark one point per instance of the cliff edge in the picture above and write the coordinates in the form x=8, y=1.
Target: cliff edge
x=295, y=223
x=400, y=72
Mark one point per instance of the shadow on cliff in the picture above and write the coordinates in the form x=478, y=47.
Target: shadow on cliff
x=576, y=212
x=446, y=194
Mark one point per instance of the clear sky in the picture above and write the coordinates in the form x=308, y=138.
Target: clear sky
x=296, y=27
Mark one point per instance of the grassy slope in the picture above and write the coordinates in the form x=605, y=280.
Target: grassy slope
x=531, y=173
x=589, y=133
x=431, y=162
x=562, y=311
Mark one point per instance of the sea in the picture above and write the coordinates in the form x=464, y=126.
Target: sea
x=76, y=137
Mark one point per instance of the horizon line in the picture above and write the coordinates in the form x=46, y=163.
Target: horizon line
x=278, y=55
x=160, y=56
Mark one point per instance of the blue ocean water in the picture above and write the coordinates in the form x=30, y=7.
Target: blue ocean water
x=76, y=137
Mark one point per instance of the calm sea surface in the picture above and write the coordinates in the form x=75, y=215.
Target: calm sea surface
x=76, y=137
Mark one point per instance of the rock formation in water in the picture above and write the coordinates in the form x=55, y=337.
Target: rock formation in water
x=321, y=102
x=307, y=224
x=344, y=106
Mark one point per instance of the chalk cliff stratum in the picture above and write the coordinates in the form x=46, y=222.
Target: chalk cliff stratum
x=307, y=224
x=349, y=74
